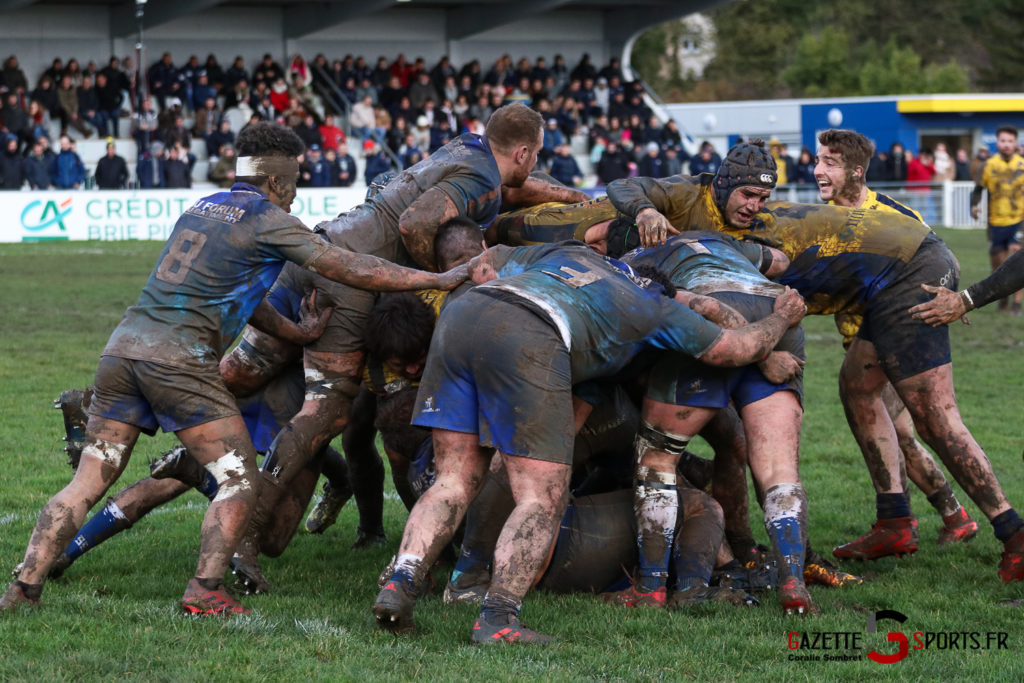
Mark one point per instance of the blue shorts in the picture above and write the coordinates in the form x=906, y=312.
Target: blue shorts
x=499, y=370
x=149, y=395
x=1000, y=237
x=680, y=380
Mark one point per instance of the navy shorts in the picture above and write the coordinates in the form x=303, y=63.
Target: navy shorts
x=499, y=370
x=678, y=379
x=905, y=345
x=149, y=395
x=1000, y=237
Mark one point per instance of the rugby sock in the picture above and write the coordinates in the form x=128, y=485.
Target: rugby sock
x=470, y=560
x=408, y=569
x=656, y=506
x=106, y=523
x=500, y=607
x=32, y=591
x=785, y=520
x=892, y=505
x=1007, y=524
x=209, y=486
x=944, y=500
x=696, y=549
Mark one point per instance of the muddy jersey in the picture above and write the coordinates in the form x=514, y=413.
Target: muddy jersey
x=1004, y=181
x=552, y=222
x=687, y=202
x=708, y=263
x=464, y=170
x=849, y=323
x=602, y=311
x=223, y=255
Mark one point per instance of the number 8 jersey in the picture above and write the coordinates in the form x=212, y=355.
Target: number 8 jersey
x=223, y=255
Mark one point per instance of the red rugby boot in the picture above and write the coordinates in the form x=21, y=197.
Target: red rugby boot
x=957, y=528
x=888, y=537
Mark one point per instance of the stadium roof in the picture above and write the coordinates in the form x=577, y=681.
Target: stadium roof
x=463, y=18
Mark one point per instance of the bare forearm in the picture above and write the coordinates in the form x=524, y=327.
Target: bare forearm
x=723, y=315
x=748, y=344
x=266, y=319
x=419, y=223
x=371, y=273
x=535, y=191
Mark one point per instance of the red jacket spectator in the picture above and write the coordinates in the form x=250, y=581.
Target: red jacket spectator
x=331, y=134
x=920, y=171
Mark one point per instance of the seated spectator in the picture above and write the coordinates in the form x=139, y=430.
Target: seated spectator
x=362, y=119
x=39, y=120
x=345, y=167
x=553, y=139
x=564, y=168
x=14, y=77
x=568, y=117
x=176, y=171
x=268, y=71
x=67, y=94
x=202, y=91
x=396, y=134
x=614, y=164
x=403, y=109
x=12, y=167
x=220, y=137
x=234, y=75
x=309, y=133
x=615, y=131
x=650, y=164
x=280, y=98
x=440, y=134
x=637, y=131
x=111, y=170
x=298, y=68
x=214, y=73
x=175, y=133
x=409, y=152
x=68, y=171
x=74, y=72
x=223, y=172
x=671, y=137
x=150, y=169
x=330, y=134
x=376, y=161
x=673, y=164
x=165, y=80
x=381, y=124
x=36, y=165
x=602, y=97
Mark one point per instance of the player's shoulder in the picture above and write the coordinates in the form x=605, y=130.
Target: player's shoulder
x=883, y=202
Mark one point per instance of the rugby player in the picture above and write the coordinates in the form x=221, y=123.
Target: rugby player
x=464, y=178
x=948, y=305
x=1003, y=177
x=160, y=366
x=842, y=160
x=552, y=316
x=854, y=261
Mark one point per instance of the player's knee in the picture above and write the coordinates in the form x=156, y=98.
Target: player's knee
x=696, y=503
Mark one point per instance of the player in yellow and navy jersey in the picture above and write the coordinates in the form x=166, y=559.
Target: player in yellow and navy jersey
x=842, y=159
x=1003, y=177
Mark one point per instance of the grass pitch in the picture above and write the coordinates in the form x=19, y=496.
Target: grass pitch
x=115, y=616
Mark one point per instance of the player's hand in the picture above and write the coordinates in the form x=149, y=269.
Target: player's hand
x=791, y=305
x=654, y=227
x=946, y=307
x=312, y=319
x=975, y=211
x=453, y=278
x=781, y=367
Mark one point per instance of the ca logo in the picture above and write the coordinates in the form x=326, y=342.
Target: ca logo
x=766, y=178
x=51, y=213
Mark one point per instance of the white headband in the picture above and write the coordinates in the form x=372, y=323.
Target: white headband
x=258, y=167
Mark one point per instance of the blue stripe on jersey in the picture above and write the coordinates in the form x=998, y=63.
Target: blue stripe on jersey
x=893, y=204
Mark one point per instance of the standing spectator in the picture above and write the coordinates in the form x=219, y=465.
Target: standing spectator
x=15, y=119
x=12, y=167
x=316, y=171
x=111, y=170
x=920, y=175
x=381, y=74
x=650, y=164
x=150, y=169
x=614, y=164
x=584, y=69
x=804, y=172
x=189, y=78
x=116, y=79
x=896, y=164
x=564, y=168
x=223, y=172
x=376, y=161
x=164, y=80
x=1003, y=178
x=944, y=167
x=330, y=134
x=783, y=163
x=235, y=73
x=176, y=172
x=977, y=164
x=109, y=97
x=36, y=165
x=144, y=125
x=345, y=166
x=707, y=161
x=68, y=171
x=214, y=73
x=268, y=71
x=89, y=105
x=876, y=172
x=14, y=77
x=962, y=165
x=67, y=95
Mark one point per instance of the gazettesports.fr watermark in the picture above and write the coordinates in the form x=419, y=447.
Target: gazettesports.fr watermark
x=850, y=646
